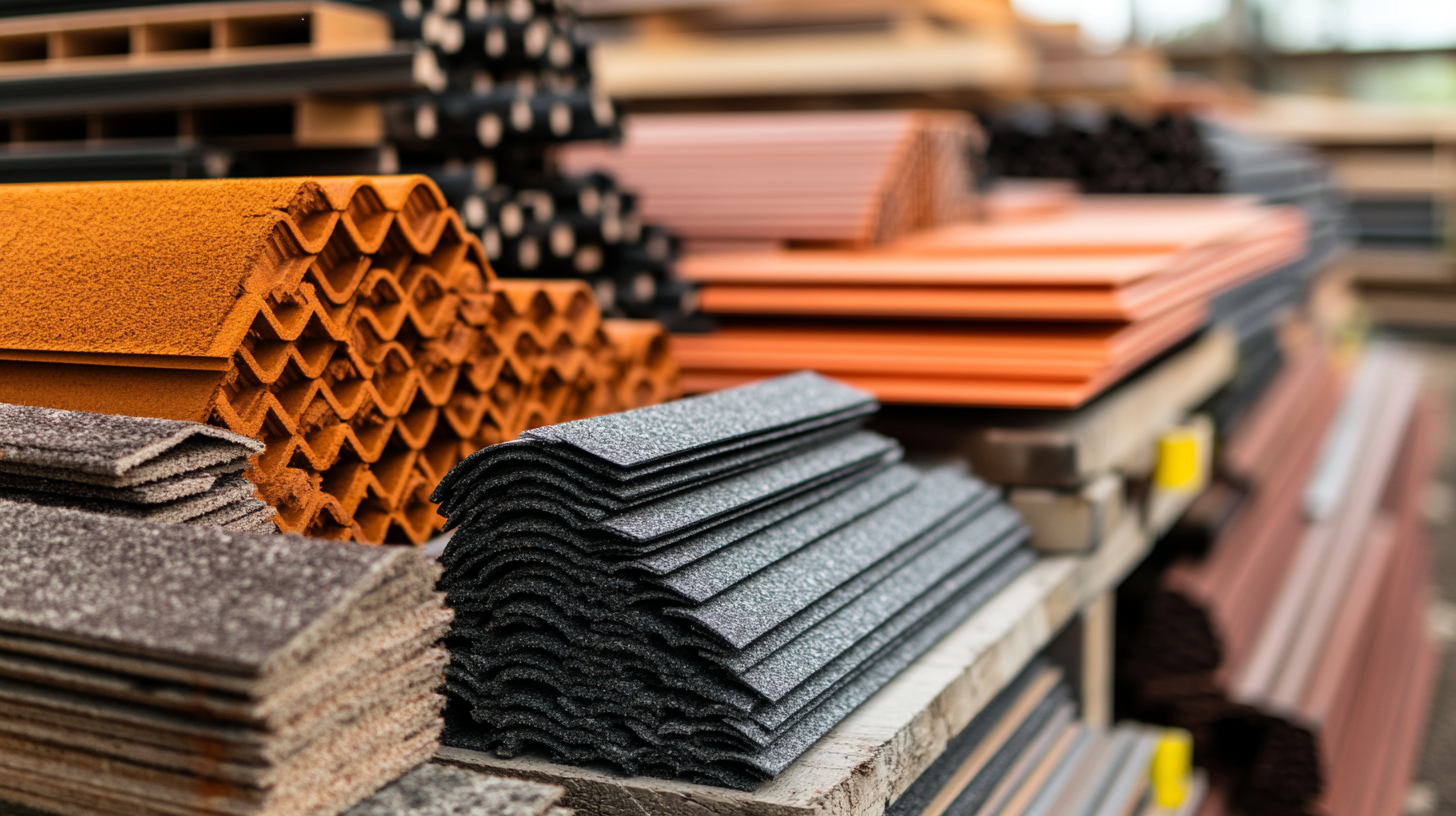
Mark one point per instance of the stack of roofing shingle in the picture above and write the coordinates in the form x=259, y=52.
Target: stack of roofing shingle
x=1297, y=649
x=351, y=324
x=432, y=790
x=154, y=469
x=165, y=668
x=856, y=177
x=1094, y=293
x=1027, y=753
x=704, y=588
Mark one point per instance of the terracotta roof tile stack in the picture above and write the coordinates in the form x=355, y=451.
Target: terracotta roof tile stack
x=152, y=469
x=170, y=668
x=1043, y=312
x=351, y=324
x=704, y=589
x=1296, y=648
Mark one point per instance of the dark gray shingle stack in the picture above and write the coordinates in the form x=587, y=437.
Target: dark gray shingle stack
x=153, y=469
x=704, y=588
x=169, y=668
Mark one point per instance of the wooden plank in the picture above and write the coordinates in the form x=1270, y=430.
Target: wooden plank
x=1065, y=521
x=1098, y=624
x=699, y=67
x=874, y=754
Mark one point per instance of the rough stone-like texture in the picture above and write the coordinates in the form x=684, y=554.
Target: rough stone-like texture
x=112, y=446
x=434, y=790
x=196, y=592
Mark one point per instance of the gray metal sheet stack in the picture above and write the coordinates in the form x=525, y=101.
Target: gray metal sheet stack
x=153, y=469
x=703, y=589
x=175, y=669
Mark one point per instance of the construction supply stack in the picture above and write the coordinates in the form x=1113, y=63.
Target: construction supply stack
x=352, y=325
x=1395, y=164
x=163, y=668
x=1296, y=647
x=151, y=469
x=1036, y=314
x=1026, y=752
x=472, y=94
x=704, y=589
x=517, y=84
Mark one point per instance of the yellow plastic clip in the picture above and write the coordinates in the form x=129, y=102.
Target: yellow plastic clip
x=1172, y=764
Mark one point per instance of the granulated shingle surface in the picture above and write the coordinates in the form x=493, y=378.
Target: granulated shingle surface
x=180, y=249
x=639, y=437
x=432, y=790
x=112, y=446
x=196, y=593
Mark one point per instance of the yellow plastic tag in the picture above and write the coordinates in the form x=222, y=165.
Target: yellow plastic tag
x=1171, y=767
x=1180, y=460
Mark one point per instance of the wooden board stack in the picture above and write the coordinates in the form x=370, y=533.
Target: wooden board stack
x=704, y=589
x=350, y=324
x=1296, y=649
x=152, y=469
x=171, y=668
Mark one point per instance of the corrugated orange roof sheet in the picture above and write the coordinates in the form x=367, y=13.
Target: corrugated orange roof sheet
x=351, y=324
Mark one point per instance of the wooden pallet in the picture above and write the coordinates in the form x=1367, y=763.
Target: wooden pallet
x=180, y=34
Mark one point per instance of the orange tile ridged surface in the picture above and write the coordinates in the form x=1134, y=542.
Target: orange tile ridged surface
x=353, y=325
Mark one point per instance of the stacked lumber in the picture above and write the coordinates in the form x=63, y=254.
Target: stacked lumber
x=172, y=668
x=472, y=94
x=721, y=53
x=1032, y=313
x=260, y=76
x=1395, y=164
x=152, y=469
x=1296, y=649
x=351, y=324
x=704, y=589
x=850, y=177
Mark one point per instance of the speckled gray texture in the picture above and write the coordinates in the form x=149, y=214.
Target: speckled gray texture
x=695, y=507
x=434, y=790
x=769, y=577
x=634, y=438
x=750, y=609
x=228, y=490
x=183, y=591
x=705, y=577
x=116, y=447
x=160, y=491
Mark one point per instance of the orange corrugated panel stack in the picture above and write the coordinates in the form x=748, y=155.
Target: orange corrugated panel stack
x=1035, y=312
x=352, y=324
